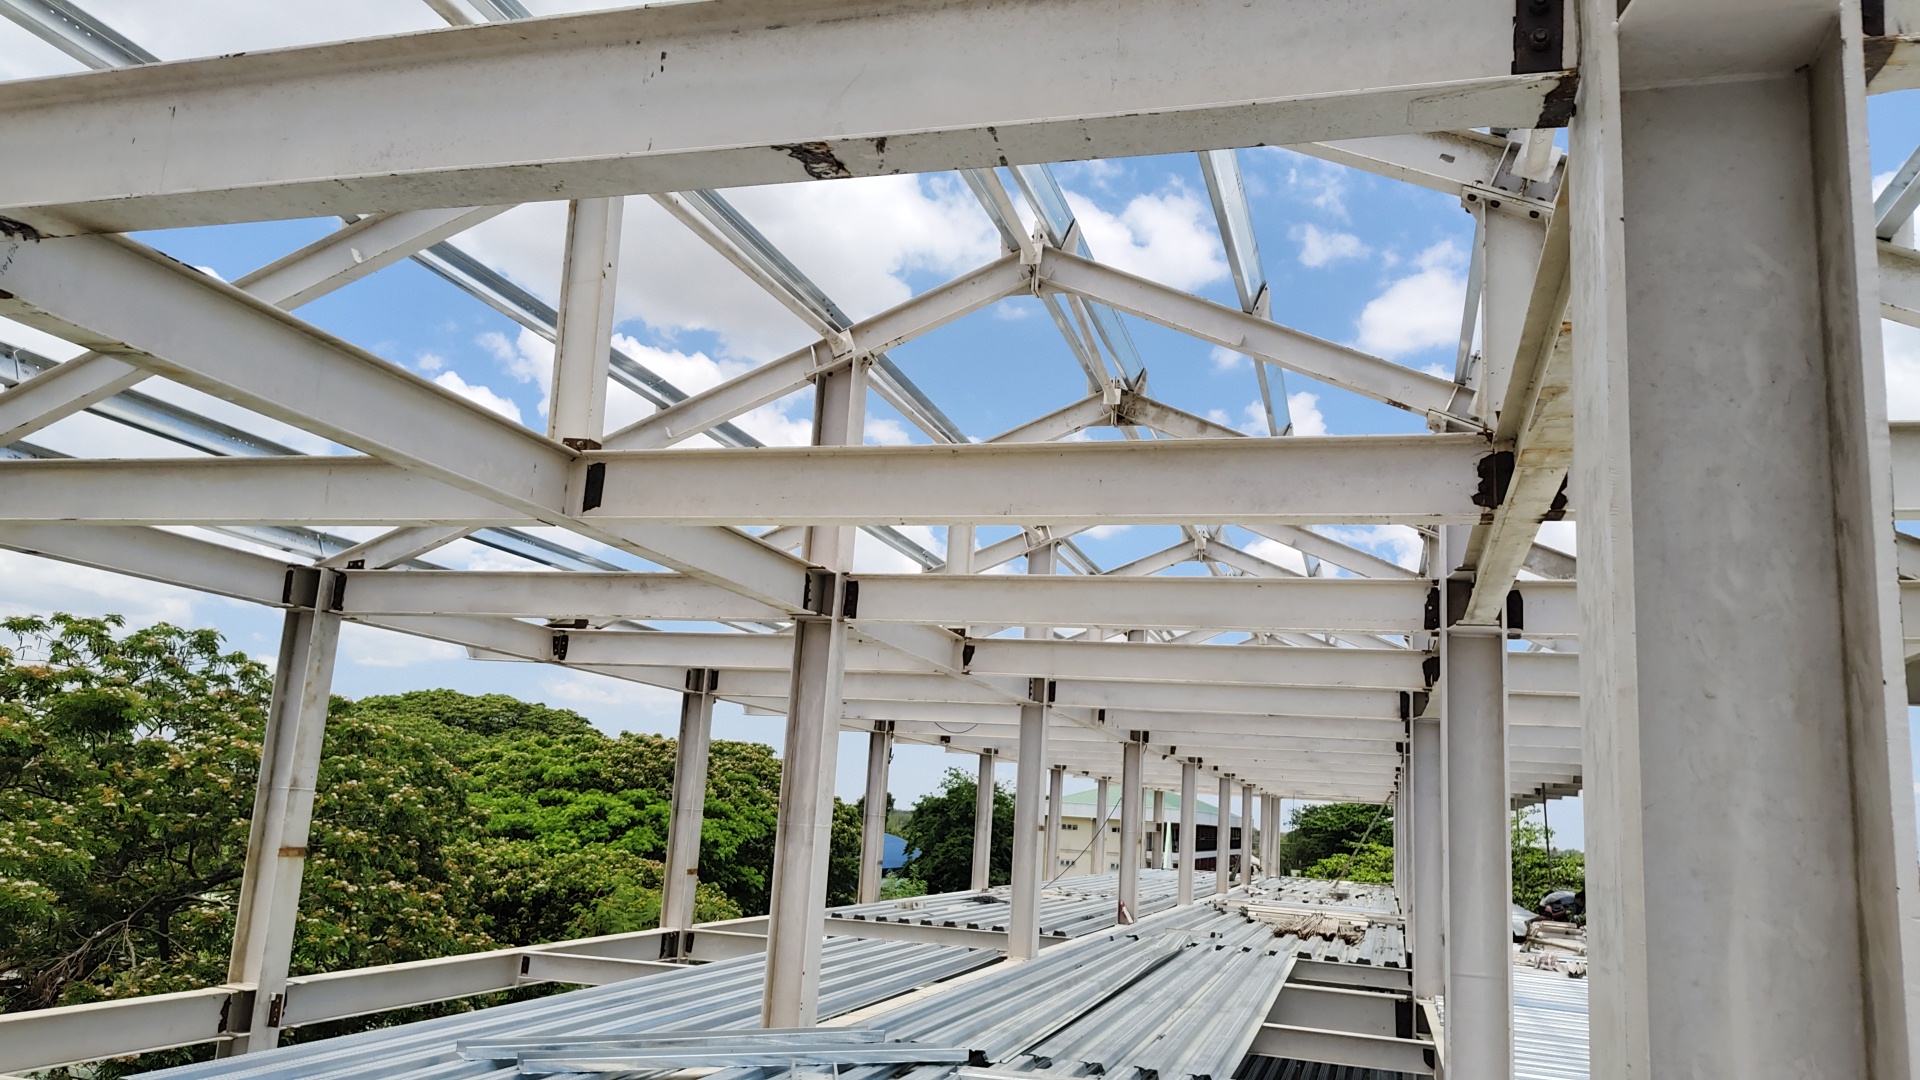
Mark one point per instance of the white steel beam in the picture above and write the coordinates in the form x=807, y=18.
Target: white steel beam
x=734, y=103
x=1128, y=893
x=873, y=819
x=1327, y=604
x=354, y=251
x=583, y=333
x=1425, y=479
x=1350, y=369
x=1029, y=873
x=1189, y=822
x=983, y=790
x=156, y=555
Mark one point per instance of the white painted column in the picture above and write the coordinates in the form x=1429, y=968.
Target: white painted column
x=1223, y=842
x=1023, y=921
x=959, y=550
x=1479, y=871
x=1157, y=836
x=1189, y=826
x=1100, y=826
x=1402, y=860
x=689, y=798
x=1131, y=814
x=873, y=825
x=1246, y=834
x=1748, y=779
x=1425, y=834
x=282, y=814
x=1056, y=793
x=804, y=839
x=983, y=825
x=577, y=406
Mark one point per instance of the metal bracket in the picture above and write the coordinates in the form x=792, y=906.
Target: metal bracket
x=595, y=486
x=1539, y=36
x=560, y=643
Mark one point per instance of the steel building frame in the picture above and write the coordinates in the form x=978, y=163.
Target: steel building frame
x=1678, y=339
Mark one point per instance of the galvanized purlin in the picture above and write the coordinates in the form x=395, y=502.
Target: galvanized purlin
x=507, y=1050
x=752, y=1055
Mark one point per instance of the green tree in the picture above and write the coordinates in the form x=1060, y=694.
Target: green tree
x=1315, y=833
x=1371, y=862
x=1538, y=871
x=939, y=836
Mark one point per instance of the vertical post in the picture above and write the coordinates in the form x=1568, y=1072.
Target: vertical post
x=1100, y=826
x=1056, y=792
x=1157, y=837
x=1732, y=461
x=1425, y=835
x=959, y=550
x=1131, y=813
x=1223, y=839
x=1270, y=835
x=1246, y=834
x=873, y=826
x=1189, y=827
x=1023, y=921
x=1479, y=870
x=689, y=798
x=583, y=334
x=1402, y=862
x=804, y=837
x=983, y=825
x=282, y=813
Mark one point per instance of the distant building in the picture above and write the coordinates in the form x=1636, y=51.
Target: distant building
x=1077, y=825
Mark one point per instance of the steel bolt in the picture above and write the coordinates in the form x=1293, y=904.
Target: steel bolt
x=1540, y=39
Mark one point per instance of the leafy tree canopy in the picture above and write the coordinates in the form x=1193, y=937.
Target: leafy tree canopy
x=1315, y=833
x=939, y=836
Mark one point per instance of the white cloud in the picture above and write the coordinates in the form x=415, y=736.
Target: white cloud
x=1225, y=359
x=375, y=647
x=1396, y=543
x=1419, y=311
x=1278, y=554
x=430, y=362
x=885, y=431
x=1101, y=532
x=226, y=26
x=1304, y=408
x=1168, y=237
x=479, y=395
x=34, y=586
x=1902, y=346
x=1319, y=247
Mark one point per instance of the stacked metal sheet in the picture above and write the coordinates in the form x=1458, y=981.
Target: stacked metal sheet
x=1330, y=920
x=1549, y=1026
x=1079, y=906
x=855, y=973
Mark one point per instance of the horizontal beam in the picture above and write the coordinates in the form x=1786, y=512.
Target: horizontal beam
x=44, y=1038
x=721, y=95
x=1381, y=1052
x=1424, y=479
x=1350, y=369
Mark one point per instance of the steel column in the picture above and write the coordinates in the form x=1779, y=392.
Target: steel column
x=1246, y=834
x=577, y=406
x=798, y=903
x=1056, y=791
x=1223, y=839
x=1100, y=818
x=873, y=826
x=983, y=822
x=1189, y=826
x=689, y=799
x=1029, y=876
x=1479, y=873
x=1424, y=833
x=1157, y=836
x=282, y=813
x=1740, y=660
x=1130, y=820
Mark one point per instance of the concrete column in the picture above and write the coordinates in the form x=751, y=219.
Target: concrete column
x=1740, y=666
x=1100, y=826
x=1246, y=834
x=689, y=798
x=1023, y=922
x=804, y=838
x=577, y=406
x=1131, y=813
x=1189, y=823
x=873, y=826
x=1479, y=871
x=983, y=825
x=1157, y=836
x=1223, y=842
x=1424, y=834
x=1056, y=793
x=282, y=813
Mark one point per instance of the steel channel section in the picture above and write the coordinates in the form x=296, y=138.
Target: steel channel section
x=1128, y=898
x=1056, y=796
x=873, y=821
x=1246, y=834
x=1101, y=816
x=1156, y=832
x=1029, y=874
x=1479, y=979
x=282, y=813
x=983, y=786
x=1425, y=833
x=689, y=801
x=1223, y=838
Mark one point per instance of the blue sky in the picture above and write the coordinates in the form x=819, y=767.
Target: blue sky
x=1351, y=257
